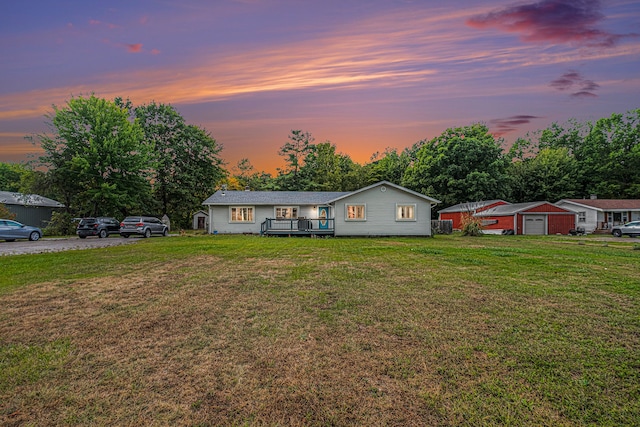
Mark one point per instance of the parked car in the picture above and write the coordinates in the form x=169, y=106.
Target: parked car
x=630, y=229
x=101, y=226
x=142, y=225
x=11, y=230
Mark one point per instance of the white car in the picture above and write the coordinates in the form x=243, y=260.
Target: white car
x=11, y=230
x=630, y=229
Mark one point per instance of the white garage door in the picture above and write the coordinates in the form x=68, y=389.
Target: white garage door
x=534, y=224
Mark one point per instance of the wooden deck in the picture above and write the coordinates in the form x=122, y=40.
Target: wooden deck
x=297, y=227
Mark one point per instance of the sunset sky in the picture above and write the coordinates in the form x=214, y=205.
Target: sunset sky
x=364, y=75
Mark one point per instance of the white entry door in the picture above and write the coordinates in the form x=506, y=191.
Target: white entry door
x=535, y=224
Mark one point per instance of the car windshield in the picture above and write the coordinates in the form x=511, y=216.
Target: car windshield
x=131, y=219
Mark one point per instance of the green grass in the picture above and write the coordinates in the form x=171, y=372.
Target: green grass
x=242, y=330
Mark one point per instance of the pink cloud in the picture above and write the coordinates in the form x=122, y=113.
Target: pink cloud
x=554, y=21
x=155, y=52
x=134, y=48
x=94, y=22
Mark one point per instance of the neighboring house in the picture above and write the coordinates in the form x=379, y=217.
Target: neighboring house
x=30, y=209
x=602, y=214
x=528, y=218
x=200, y=220
x=457, y=212
x=381, y=209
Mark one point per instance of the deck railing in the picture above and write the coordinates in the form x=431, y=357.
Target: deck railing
x=297, y=226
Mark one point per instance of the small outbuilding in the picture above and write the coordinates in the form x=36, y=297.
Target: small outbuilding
x=200, y=220
x=534, y=218
x=30, y=209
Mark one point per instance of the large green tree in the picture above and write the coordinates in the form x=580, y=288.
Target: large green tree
x=11, y=176
x=326, y=170
x=550, y=175
x=464, y=164
x=97, y=164
x=295, y=150
x=187, y=166
x=607, y=153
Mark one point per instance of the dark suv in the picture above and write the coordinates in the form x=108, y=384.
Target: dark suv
x=142, y=225
x=101, y=226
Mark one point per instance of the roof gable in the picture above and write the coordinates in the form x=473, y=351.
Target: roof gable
x=505, y=210
x=388, y=184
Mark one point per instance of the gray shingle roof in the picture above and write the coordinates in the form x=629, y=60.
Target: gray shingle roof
x=11, y=198
x=273, y=197
x=509, y=209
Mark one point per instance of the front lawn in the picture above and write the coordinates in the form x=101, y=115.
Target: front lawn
x=243, y=330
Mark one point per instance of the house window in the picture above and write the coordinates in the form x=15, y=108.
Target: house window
x=242, y=214
x=355, y=212
x=582, y=216
x=286, y=212
x=405, y=212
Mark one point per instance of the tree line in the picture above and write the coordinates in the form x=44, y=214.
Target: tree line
x=105, y=157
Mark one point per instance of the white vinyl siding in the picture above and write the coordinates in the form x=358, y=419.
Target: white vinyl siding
x=381, y=214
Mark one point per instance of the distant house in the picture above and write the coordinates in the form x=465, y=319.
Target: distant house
x=538, y=218
x=381, y=209
x=30, y=209
x=602, y=214
x=456, y=213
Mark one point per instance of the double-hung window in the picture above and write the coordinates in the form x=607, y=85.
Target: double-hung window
x=242, y=214
x=356, y=212
x=582, y=216
x=406, y=212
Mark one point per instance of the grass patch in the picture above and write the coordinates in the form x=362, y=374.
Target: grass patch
x=242, y=330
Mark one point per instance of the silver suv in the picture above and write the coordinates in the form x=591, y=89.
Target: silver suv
x=630, y=229
x=143, y=226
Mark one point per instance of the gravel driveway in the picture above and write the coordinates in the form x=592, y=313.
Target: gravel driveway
x=21, y=247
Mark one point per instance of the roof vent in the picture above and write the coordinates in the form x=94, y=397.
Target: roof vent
x=593, y=197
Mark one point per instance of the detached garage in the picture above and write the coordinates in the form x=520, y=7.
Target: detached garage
x=535, y=218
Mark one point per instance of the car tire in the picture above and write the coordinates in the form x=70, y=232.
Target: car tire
x=34, y=236
x=165, y=233
x=82, y=237
x=102, y=234
x=617, y=233
x=147, y=233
